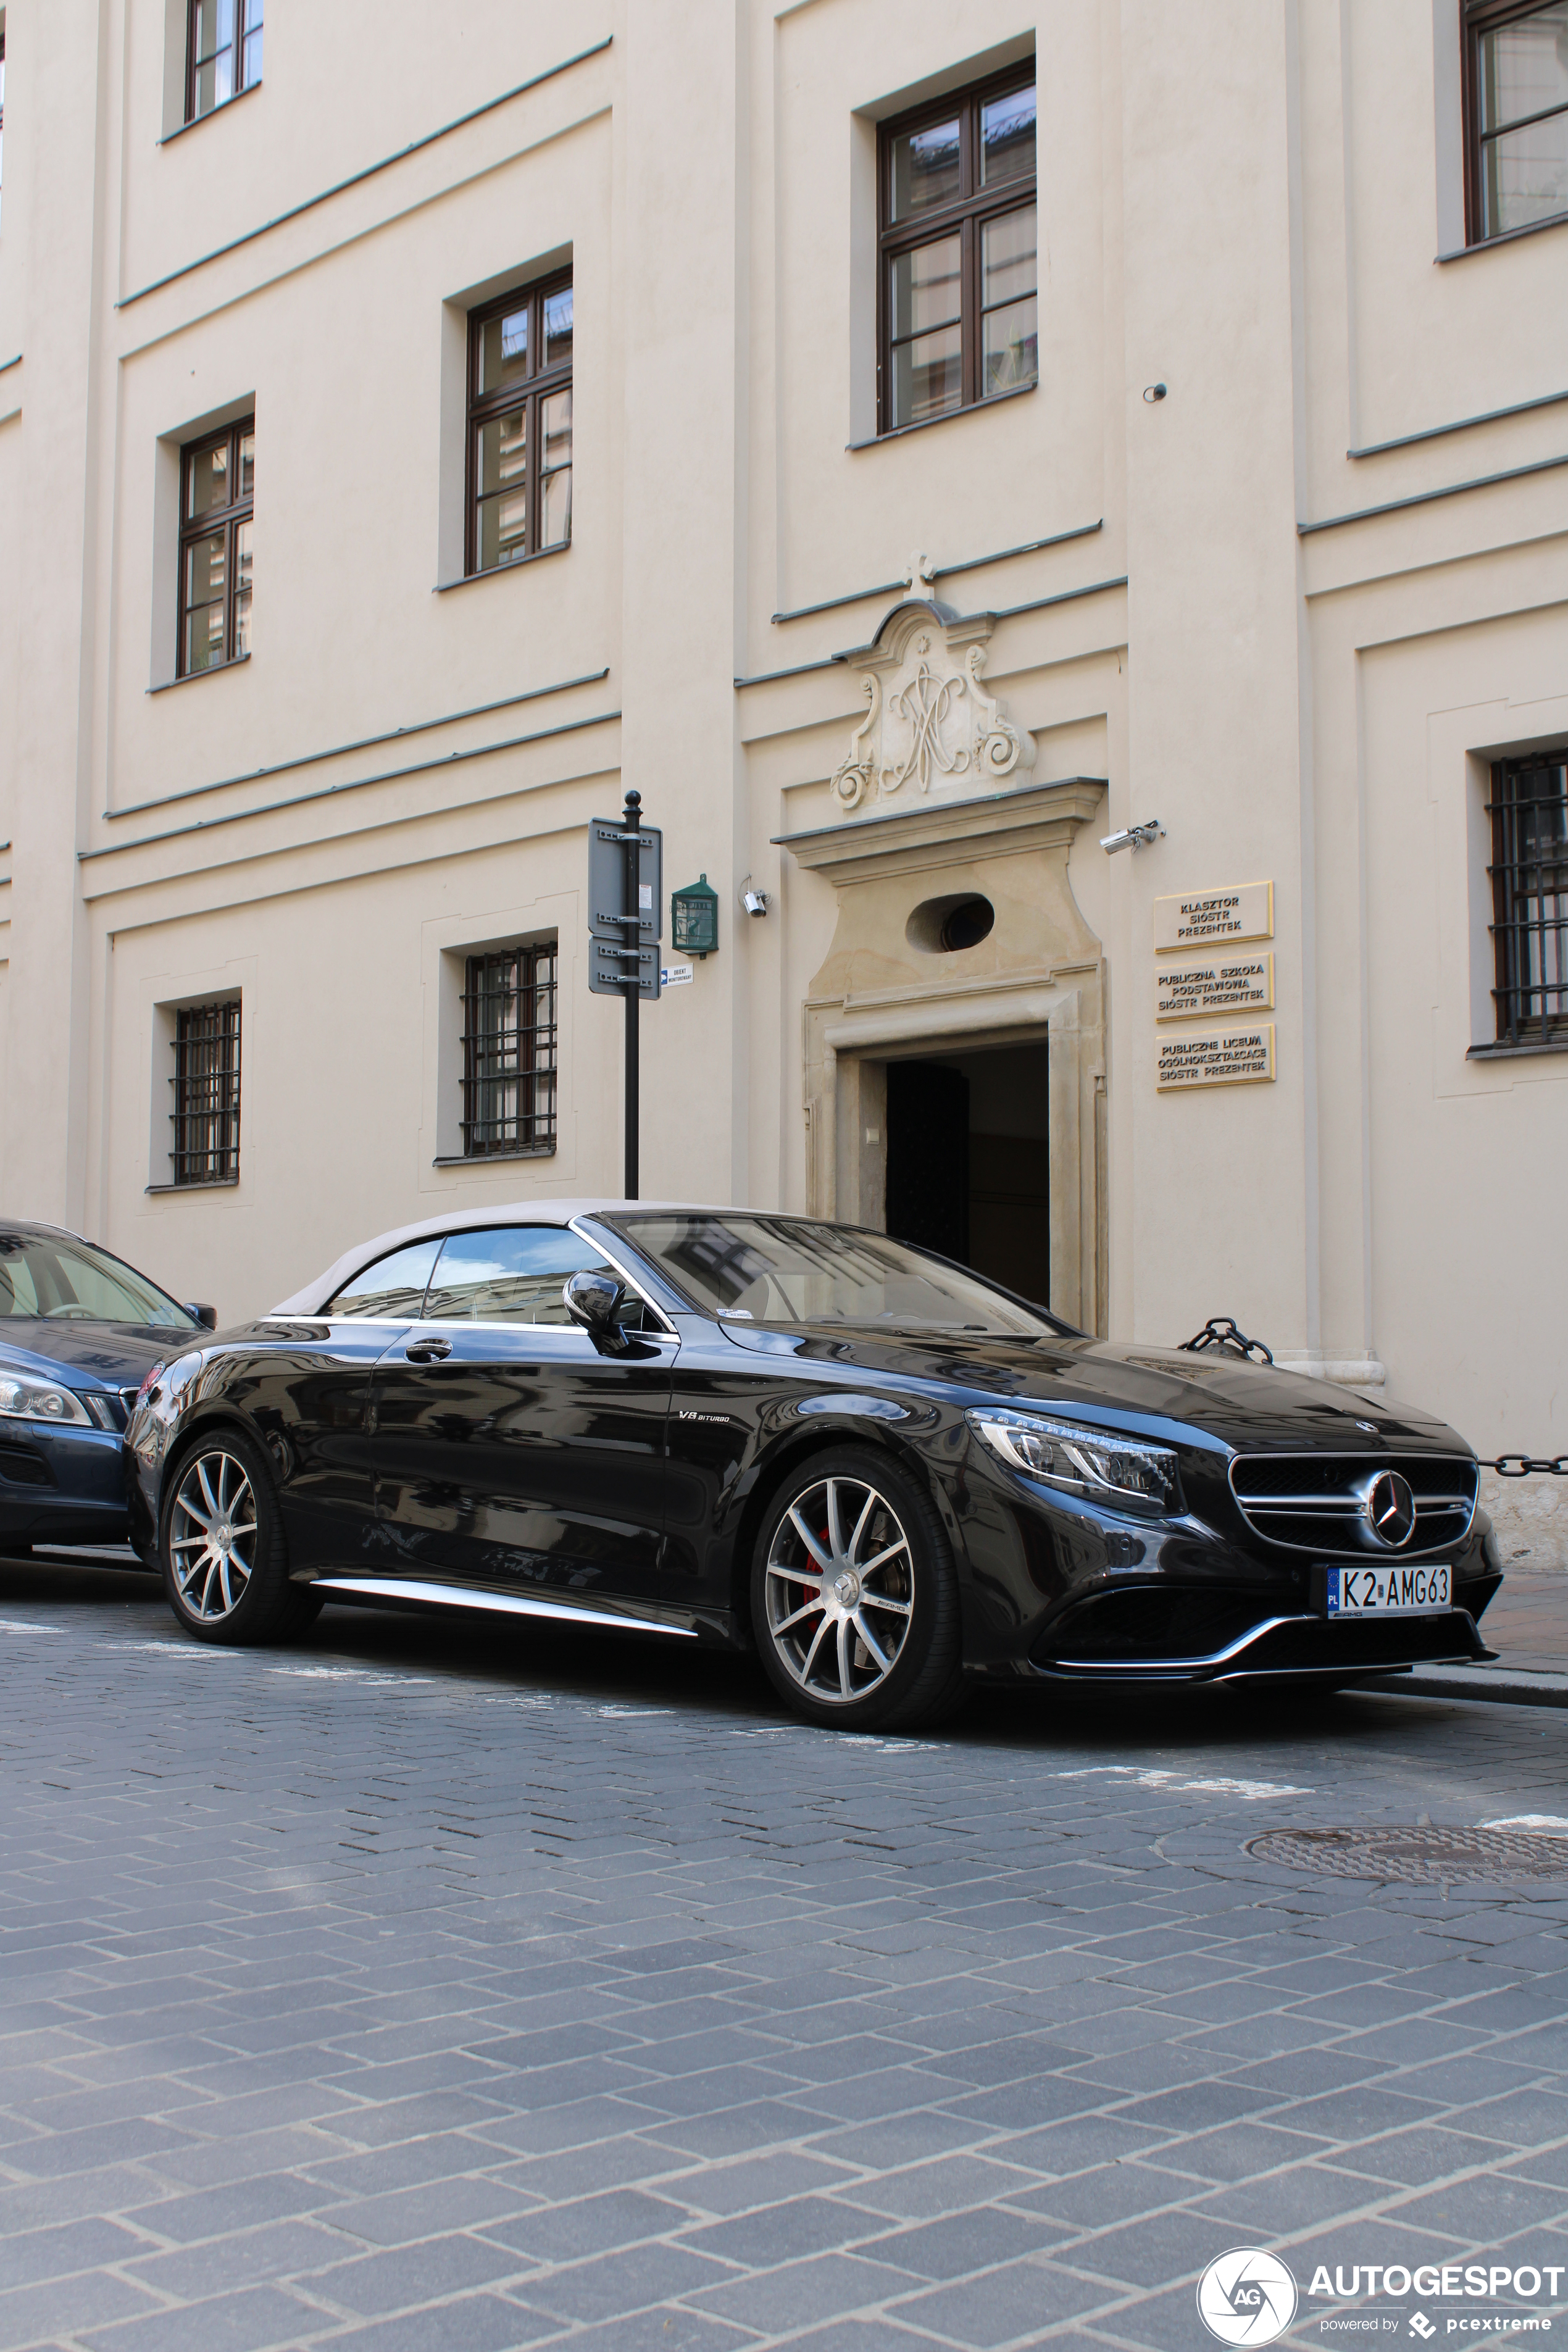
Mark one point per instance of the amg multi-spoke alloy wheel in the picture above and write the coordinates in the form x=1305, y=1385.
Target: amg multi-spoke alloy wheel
x=221, y=1550
x=212, y=1536
x=854, y=1601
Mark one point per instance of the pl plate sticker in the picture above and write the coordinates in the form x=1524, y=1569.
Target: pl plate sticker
x=1246, y=2296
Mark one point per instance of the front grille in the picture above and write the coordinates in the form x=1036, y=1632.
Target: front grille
x=22, y=1467
x=1315, y=1502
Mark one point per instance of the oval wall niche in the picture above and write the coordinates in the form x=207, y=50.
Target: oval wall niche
x=948, y=926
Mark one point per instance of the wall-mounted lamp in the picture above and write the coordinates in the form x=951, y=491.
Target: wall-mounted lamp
x=1135, y=836
x=753, y=902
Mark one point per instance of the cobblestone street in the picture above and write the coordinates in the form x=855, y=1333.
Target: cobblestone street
x=427, y=1990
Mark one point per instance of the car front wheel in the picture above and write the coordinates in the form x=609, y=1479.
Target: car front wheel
x=854, y=1599
x=221, y=1548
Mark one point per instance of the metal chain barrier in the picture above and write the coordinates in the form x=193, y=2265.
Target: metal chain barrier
x=1223, y=1332
x=1525, y=1466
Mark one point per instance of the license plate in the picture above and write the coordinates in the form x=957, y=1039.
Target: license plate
x=1389, y=1592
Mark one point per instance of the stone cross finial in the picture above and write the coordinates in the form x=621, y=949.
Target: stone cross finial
x=919, y=572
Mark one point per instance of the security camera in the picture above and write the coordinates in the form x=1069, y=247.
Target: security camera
x=756, y=902
x=1134, y=836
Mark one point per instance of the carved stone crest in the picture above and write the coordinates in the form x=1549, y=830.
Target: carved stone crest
x=930, y=723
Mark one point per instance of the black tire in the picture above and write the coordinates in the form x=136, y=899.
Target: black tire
x=857, y=1625
x=220, y=1546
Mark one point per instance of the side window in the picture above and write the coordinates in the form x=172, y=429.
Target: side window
x=393, y=1286
x=1516, y=114
x=222, y=53
x=510, y=1274
x=217, y=485
x=519, y=426
x=959, y=253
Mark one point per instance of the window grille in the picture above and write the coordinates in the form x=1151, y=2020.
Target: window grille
x=509, y=1052
x=1529, y=810
x=206, y=1094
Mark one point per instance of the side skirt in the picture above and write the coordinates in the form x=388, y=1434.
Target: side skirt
x=506, y=1604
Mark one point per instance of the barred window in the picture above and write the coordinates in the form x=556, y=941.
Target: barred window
x=509, y=1052
x=1529, y=810
x=206, y=1094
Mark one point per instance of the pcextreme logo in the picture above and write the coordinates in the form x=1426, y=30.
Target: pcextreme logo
x=1246, y=2296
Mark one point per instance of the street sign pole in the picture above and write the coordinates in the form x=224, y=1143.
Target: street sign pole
x=625, y=870
x=631, y=867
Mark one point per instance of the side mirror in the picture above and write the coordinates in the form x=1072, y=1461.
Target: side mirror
x=206, y=1316
x=593, y=1299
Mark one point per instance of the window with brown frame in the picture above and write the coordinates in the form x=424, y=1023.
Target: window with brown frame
x=519, y=426
x=205, y=1116
x=223, y=52
x=1529, y=810
x=1516, y=115
x=217, y=481
x=509, y=1052
x=958, y=295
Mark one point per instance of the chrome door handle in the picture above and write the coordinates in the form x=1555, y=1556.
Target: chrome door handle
x=427, y=1351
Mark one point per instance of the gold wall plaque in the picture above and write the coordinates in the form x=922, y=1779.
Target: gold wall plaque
x=1232, y=1058
x=1223, y=983
x=1205, y=919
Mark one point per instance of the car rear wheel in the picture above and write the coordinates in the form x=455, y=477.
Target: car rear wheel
x=854, y=1597
x=221, y=1550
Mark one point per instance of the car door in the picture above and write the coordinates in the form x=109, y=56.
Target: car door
x=311, y=1397
x=509, y=1451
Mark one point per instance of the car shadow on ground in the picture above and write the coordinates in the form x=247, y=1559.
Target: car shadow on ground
x=633, y=1670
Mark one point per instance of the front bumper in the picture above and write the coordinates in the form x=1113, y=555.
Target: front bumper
x=61, y=1485
x=1062, y=1589
x=1302, y=1646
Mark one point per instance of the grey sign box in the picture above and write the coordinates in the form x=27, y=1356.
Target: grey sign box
x=610, y=965
x=607, y=883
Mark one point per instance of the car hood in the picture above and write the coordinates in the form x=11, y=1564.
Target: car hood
x=91, y=1355
x=1244, y=1405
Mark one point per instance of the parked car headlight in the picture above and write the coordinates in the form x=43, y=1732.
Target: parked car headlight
x=1094, y=1462
x=149, y=1381
x=22, y=1399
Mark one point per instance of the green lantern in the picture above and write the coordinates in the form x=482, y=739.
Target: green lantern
x=694, y=919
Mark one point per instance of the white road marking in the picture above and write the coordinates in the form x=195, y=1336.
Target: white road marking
x=1179, y=1784
x=1547, y=1824
x=21, y=1625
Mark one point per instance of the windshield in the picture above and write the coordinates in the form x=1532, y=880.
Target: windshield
x=785, y=1270
x=70, y=1282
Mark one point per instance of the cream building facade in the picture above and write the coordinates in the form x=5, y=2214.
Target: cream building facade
x=1254, y=531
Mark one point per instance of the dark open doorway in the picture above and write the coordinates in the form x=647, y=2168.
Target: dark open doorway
x=968, y=1161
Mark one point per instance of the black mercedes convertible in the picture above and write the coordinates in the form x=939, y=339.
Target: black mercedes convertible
x=887, y=1476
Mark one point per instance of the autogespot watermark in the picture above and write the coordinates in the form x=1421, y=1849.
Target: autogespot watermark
x=1250, y=2297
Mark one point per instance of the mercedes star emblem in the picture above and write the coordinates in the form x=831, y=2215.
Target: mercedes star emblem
x=1390, y=1509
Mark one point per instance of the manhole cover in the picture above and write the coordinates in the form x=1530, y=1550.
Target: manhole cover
x=1417, y=1857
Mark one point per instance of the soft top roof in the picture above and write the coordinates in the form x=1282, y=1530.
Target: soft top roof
x=314, y=1297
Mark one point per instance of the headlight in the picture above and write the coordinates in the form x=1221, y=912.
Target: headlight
x=22, y=1399
x=1098, y=1462
x=149, y=1381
